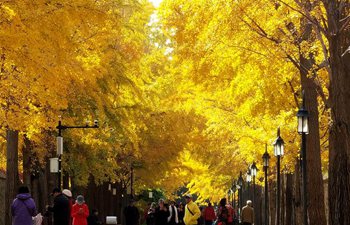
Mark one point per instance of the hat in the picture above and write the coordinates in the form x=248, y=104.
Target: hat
x=80, y=199
x=188, y=196
x=56, y=190
x=67, y=193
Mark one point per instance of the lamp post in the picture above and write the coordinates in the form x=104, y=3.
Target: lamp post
x=229, y=193
x=279, y=151
x=253, y=171
x=234, y=189
x=61, y=127
x=248, y=179
x=240, y=184
x=266, y=158
x=303, y=130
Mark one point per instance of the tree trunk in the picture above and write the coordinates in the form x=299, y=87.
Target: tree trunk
x=272, y=202
x=297, y=195
x=314, y=185
x=315, y=202
x=26, y=152
x=283, y=198
x=12, y=179
x=339, y=140
x=288, y=217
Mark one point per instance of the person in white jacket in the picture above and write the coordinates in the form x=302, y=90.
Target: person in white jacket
x=173, y=218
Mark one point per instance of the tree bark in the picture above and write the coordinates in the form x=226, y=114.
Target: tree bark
x=26, y=152
x=297, y=195
x=272, y=202
x=339, y=91
x=12, y=179
x=314, y=185
x=315, y=190
x=288, y=217
x=283, y=198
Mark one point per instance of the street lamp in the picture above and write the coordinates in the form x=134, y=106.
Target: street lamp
x=253, y=171
x=278, y=145
x=248, y=179
x=61, y=127
x=266, y=158
x=234, y=189
x=240, y=184
x=303, y=129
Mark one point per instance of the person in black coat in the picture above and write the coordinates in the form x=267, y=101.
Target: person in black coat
x=60, y=208
x=150, y=218
x=93, y=218
x=131, y=213
x=161, y=214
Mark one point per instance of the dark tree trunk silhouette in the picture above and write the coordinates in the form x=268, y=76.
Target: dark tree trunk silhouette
x=12, y=179
x=339, y=91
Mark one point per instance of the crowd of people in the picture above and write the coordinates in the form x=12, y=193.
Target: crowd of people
x=190, y=214
x=65, y=210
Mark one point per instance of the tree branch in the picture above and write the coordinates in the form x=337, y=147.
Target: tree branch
x=306, y=14
x=346, y=23
x=295, y=94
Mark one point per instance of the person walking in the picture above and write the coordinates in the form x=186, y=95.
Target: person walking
x=173, y=218
x=23, y=207
x=69, y=195
x=80, y=211
x=162, y=213
x=248, y=214
x=231, y=214
x=209, y=214
x=151, y=218
x=93, y=218
x=60, y=208
x=131, y=213
x=223, y=213
x=181, y=213
x=192, y=212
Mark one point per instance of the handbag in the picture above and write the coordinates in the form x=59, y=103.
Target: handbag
x=38, y=219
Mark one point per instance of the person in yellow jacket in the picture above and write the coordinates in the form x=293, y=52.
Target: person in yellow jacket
x=192, y=212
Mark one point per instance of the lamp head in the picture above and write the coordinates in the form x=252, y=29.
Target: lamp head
x=278, y=145
x=253, y=169
x=266, y=158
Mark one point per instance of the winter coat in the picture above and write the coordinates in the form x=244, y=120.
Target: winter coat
x=94, y=220
x=22, y=209
x=209, y=213
x=80, y=213
x=181, y=214
x=161, y=216
x=60, y=209
x=247, y=214
x=151, y=218
x=192, y=213
x=231, y=213
x=173, y=215
x=132, y=215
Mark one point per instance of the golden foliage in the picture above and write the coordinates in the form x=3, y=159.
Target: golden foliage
x=188, y=97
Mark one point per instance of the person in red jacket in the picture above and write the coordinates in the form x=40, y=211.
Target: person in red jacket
x=209, y=214
x=80, y=211
x=231, y=214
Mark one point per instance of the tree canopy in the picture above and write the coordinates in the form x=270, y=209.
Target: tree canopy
x=188, y=96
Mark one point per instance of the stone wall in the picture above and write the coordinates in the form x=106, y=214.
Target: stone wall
x=2, y=197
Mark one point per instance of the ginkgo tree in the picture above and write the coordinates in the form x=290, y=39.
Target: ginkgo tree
x=191, y=97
